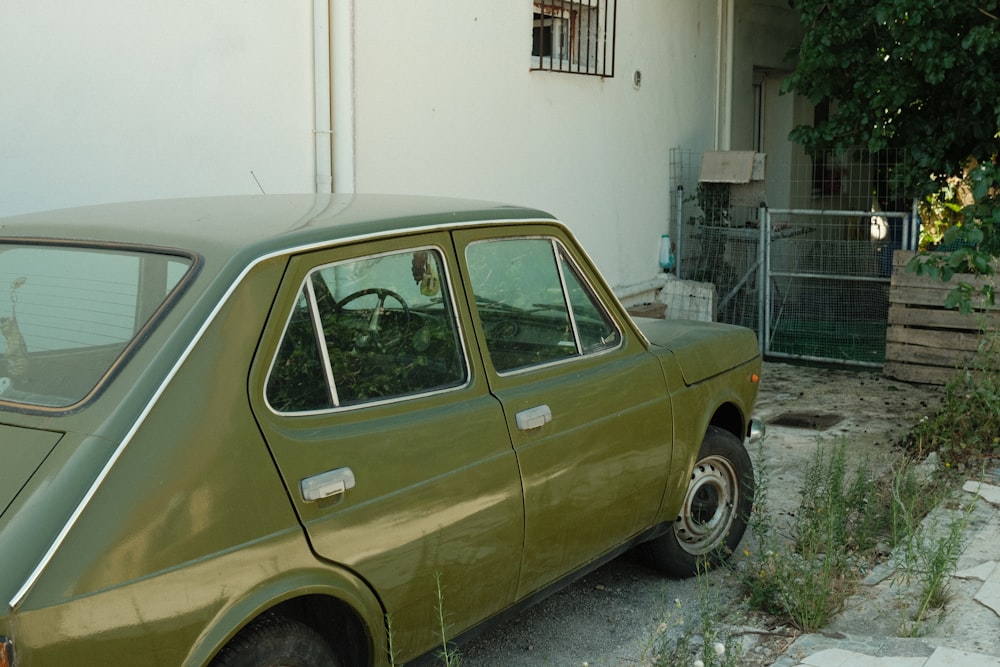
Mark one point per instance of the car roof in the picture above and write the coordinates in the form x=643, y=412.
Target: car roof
x=256, y=225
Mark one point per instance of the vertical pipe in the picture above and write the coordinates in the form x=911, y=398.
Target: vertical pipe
x=763, y=267
x=727, y=128
x=719, y=37
x=679, y=224
x=342, y=36
x=323, y=148
x=724, y=75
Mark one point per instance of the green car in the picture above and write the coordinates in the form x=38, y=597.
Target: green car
x=281, y=430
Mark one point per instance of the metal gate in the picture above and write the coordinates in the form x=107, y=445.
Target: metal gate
x=827, y=276
x=812, y=282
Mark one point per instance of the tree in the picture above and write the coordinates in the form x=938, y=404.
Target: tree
x=923, y=75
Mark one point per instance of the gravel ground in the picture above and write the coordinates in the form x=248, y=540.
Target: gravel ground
x=612, y=616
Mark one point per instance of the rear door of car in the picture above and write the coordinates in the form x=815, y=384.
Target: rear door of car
x=398, y=459
x=584, y=400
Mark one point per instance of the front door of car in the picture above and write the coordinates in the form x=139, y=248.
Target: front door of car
x=584, y=401
x=381, y=422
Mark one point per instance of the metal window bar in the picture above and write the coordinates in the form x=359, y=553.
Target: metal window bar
x=575, y=36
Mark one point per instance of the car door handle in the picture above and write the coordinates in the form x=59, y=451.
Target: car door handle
x=533, y=418
x=326, y=484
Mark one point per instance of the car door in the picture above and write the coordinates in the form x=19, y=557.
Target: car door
x=584, y=400
x=392, y=448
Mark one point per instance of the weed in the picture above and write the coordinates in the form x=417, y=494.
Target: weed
x=448, y=654
x=851, y=518
x=924, y=561
x=390, y=649
x=963, y=434
x=805, y=579
x=704, y=641
x=964, y=430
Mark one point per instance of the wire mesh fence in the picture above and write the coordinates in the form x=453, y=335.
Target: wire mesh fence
x=827, y=297
x=717, y=240
x=809, y=272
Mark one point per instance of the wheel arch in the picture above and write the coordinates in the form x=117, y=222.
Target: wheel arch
x=344, y=612
x=335, y=621
x=729, y=417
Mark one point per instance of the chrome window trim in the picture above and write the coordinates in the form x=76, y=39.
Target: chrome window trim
x=556, y=362
x=564, y=287
x=324, y=350
x=57, y=542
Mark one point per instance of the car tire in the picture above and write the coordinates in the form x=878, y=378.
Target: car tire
x=275, y=641
x=715, y=511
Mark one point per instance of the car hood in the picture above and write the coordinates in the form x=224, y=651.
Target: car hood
x=22, y=451
x=702, y=349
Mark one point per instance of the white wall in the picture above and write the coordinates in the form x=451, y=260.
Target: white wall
x=446, y=104
x=132, y=99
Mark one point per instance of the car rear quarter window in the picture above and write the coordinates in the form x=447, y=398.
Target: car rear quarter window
x=365, y=330
x=69, y=313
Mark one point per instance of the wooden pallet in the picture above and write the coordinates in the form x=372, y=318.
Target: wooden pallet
x=926, y=342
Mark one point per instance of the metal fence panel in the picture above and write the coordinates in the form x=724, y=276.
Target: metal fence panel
x=812, y=282
x=827, y=293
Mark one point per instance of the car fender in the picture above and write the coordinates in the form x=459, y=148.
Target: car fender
x=725, y=400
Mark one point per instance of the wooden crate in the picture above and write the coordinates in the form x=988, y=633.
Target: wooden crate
x=926, y=342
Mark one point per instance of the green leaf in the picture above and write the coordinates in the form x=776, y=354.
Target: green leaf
x=988, y=294
x=916, y=265
x=982, y=264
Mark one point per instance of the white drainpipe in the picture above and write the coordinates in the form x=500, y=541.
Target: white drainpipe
x=724, y=76
x=321, y=95
x=342, y=50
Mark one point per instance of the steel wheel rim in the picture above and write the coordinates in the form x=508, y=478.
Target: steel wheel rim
x=709, y=507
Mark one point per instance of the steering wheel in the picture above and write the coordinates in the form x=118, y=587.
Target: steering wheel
x=375, y=333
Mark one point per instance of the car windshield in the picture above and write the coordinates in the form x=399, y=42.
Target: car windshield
x=69, y=313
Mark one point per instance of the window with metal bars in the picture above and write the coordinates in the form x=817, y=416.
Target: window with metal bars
x=574, y=36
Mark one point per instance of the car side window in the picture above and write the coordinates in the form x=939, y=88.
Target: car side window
x=369, y=329
x=534, y=304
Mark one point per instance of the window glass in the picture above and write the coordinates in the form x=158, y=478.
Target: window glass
x=70, y=312
x=388, y=330
x=533, y=305
x=298, y=381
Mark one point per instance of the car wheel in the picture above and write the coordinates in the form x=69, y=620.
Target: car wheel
x=275, y=641
x=715, y=511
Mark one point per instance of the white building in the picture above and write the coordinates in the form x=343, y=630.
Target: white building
x=131, y=99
